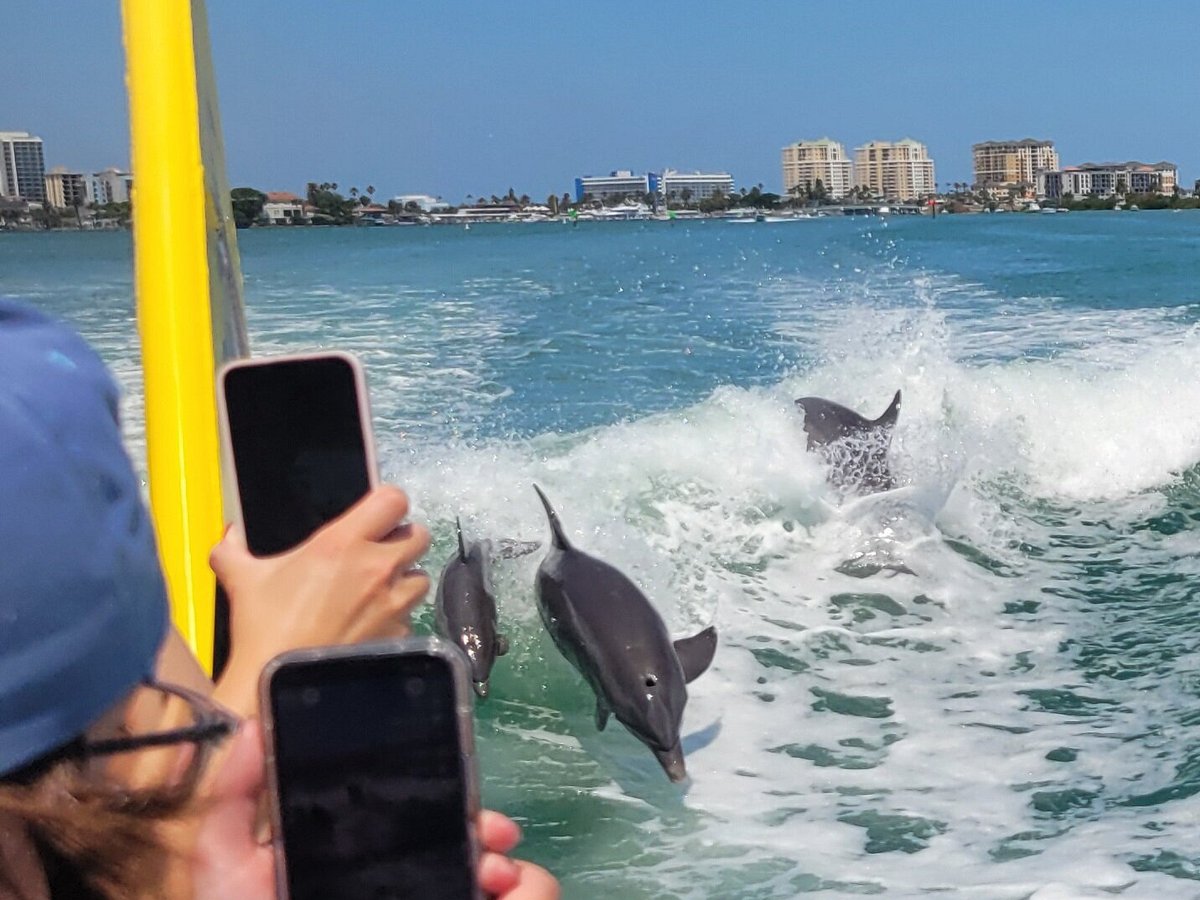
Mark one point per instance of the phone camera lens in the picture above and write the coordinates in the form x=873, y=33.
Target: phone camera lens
x=311, y=696
x=414, y=687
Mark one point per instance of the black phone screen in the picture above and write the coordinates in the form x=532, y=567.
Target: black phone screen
x=298, y=447
x=372, y=787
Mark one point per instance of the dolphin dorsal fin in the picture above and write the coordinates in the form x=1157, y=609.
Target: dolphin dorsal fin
x=695, y=653
x=888, y=419
x=462, y=549
x=559, y=539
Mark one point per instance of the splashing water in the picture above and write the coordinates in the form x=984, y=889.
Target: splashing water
x=976, y=684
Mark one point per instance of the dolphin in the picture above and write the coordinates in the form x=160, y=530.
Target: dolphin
x=465, y=609
x=855, y=446
x=609, y=631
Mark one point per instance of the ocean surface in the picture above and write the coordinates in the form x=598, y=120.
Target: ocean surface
x=984, y=683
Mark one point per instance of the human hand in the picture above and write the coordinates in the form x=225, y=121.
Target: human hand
x=229, y=861
x=227, y=858
x=352, y=581
x=505, y=878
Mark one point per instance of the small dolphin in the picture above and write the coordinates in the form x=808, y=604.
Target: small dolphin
x=856, y=447
x=610, y=632
x=465, y=610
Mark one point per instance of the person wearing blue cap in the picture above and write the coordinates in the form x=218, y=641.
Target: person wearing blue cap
x=105, y=727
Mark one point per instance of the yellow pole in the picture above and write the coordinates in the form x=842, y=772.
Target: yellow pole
x=174, y=313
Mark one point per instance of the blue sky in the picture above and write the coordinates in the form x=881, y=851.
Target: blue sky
x=459, y=97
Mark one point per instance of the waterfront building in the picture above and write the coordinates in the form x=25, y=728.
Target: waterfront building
x=66, y=190
x=111, y=186
x=1007, y=164
x=22, y=166
x=807, y=162
x=618, y=185
x=699, y=185
x=425, y=202
x=282, y=208
x=1107, y=179
x=895, y=171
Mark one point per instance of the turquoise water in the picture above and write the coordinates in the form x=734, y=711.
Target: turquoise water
x=1017, y=718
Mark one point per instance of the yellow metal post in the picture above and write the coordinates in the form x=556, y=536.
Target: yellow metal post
x=180, y=230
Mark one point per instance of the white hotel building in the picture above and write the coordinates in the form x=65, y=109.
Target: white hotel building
x=699, y=185
x=807, y=162
x=670, y=184
x=111, y=186
x=1108, y=179
x=621, y=183
x=22, y=166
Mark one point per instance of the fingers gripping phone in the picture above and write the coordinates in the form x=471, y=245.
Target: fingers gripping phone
x=372, y=772
x=297, y=433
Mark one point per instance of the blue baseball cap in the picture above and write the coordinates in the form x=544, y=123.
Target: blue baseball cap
x=83, y=605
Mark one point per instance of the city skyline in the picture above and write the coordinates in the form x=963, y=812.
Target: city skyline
x=460, y=99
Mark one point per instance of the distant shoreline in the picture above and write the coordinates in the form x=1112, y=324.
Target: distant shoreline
x=564, y=221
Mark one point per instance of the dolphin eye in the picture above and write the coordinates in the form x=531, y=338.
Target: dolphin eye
x=651, y=680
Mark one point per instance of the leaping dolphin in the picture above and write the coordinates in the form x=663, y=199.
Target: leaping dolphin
x=855, y=447
x=465, y=610
x=611, y=633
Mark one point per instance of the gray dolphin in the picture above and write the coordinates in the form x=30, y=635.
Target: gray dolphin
x=856, y=447
x=610, y=632
x=465, y=609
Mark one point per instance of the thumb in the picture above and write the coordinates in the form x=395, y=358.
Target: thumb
x=231, y=546
x=234, y=790
x=228, y=860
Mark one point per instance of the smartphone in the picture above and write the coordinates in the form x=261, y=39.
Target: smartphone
x=297, y=430
x=372, y=772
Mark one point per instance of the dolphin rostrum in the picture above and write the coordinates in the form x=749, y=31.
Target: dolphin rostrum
x=610, y=632
x=855, y=447
x=465, y=610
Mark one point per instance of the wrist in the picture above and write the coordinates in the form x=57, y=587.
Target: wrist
x=237, y=688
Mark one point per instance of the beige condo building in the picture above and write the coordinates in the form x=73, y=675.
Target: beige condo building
x=1002, y=164
x=900, y=170
x=807, y=162
x=66, y=189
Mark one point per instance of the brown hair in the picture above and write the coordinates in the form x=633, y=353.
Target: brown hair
x=90, y=835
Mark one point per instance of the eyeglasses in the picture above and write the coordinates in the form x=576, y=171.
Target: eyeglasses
x=208, y=723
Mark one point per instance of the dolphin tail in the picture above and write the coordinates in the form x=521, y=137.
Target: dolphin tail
x=462, y=550
x=560, y=540
x=672, y=762
x=501, y=645
x=696, y=652
x=601, y=715
x=888, y=419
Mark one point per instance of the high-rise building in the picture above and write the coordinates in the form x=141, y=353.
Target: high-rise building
x=111, y=186
x=1003, y=164
x=67, y=189
x=895, y=171
x=22, y=166
x=699, y=185
x=807, y=162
